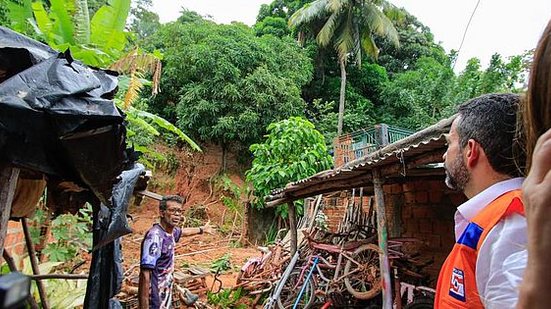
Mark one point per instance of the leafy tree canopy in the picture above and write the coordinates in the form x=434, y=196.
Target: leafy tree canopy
x=292, y=150
x=226, y=85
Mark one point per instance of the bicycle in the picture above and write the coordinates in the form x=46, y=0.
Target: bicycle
x=356, y=266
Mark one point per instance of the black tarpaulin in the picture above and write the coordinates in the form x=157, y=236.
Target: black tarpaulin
x=57, y=116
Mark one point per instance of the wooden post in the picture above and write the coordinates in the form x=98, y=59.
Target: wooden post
x=293, y=227
x=8, y=183
x=382, y=236
x=34, y=263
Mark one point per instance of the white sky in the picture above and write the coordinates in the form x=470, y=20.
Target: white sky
x=507, y=27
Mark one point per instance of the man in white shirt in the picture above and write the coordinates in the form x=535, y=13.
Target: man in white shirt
x=486, y=264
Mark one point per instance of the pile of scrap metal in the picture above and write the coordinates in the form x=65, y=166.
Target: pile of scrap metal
x=337, y=270
x=60, y=130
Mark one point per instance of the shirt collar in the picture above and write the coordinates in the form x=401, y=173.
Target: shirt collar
x=470, y=208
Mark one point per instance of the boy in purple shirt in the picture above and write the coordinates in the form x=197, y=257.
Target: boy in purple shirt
x=157, y=254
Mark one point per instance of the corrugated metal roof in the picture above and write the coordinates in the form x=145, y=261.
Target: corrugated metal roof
x=427, y=141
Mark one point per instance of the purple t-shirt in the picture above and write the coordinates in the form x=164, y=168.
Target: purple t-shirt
x=158, y=255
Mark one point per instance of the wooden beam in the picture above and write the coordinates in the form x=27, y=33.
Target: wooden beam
x=149, y=194
x=383, y=237
x=293, y=227
x=8, y=183
x=34, y=263
x=412, y=163
x=59, y=276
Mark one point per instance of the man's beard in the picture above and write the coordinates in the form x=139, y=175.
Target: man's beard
x=457, y=175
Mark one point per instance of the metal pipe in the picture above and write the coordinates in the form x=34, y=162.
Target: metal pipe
x=306, y=282
x=34, y=263
x=279, y=287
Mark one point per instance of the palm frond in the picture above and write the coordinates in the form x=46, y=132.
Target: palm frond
x=357, y=49
x=394, y=13
x=344, y=42
x=334, y=6
x=328, y=30
x=369, y=46
x=379, y=23
x=308, y=13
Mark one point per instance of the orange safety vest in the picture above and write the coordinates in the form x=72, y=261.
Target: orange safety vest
x=456, y=287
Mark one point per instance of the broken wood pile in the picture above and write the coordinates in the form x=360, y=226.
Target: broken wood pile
x=189, y=280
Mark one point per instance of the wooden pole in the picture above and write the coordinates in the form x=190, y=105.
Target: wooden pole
x=8, y=183
x=11, y=265
x=34, y=263
x=60, y=276
x=293, y=227
x=382, y=235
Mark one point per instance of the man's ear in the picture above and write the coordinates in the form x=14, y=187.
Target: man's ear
x=472, y=153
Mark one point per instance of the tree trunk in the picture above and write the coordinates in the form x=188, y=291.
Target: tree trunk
x=224, y=157
x=341, y=97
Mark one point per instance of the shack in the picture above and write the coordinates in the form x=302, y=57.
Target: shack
x=61, y=131
x=406, y=179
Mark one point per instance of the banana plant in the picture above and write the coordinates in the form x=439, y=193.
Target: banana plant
x=66, y=24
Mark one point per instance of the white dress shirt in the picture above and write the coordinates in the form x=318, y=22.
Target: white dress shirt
x=502, y=257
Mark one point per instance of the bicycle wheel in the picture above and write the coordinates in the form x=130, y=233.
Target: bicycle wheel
x=423, y=302
x=364, y=279
x=291, y=290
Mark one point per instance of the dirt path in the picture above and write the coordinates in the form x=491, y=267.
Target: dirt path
x=199, y=250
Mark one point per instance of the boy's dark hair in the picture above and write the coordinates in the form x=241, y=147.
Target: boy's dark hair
x=491, y=121
x=169, y=198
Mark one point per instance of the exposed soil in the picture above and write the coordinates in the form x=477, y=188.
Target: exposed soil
x=193, y=179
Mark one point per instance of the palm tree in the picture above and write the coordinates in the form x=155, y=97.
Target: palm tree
x=350, y=26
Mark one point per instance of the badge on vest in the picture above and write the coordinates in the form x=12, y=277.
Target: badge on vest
x=457, y=285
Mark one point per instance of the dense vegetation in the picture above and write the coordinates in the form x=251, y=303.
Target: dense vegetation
x=227, y=83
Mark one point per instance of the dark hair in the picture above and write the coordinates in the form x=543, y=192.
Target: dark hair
x=491, y=121
x=169, y=198
x=536, y=109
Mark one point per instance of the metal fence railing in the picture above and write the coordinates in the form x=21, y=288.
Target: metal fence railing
x=351, y=146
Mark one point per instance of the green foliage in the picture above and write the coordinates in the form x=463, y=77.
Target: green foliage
x=71, y=234
x=350, y=26
x=223, y=84
x=230, y=193
x=227, y=298
x=66, y=24
x=276, y=26
x=144, y=22
x=221, y=264
x=4, y=20
x=292, y=150
x=418, y=97
x=271, y=234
